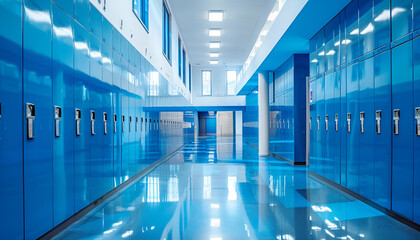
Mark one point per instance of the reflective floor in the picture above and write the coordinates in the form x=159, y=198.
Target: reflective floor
x=218, y=188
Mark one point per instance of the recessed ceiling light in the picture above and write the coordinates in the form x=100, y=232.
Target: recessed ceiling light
x=214, y=55
x=215, y=32
x=215, y=16
x=214, y=62
x=214, y=44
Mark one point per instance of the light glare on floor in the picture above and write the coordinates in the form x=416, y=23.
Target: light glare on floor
x=215, y=45
x=215, y=16
x=214, y=62
x=215, y=32
x=215, y=222
x=214, y=55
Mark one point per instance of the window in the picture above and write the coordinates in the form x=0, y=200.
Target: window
x=184, y=74
x=141, y=9
x=189, y=76
x=231, y=82
x=206, y=82
x=179, y=58
x=154, y=84
x=166, y=36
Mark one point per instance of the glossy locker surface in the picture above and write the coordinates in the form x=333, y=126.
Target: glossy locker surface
x=366, y=27
x=353, y=135
x=82, y=97
x=11, y=162
x=416, y=90
x=402, y=20
x=63, y=145
x=382, y=22
x=402, y=154
x=216, y=188
x=37, y=89
x=116, y=105
x=352, y=30
x=382, y=141
x=366, y=132
x=343, y=127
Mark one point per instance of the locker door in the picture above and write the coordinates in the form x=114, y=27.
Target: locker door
x=335, y=129
x=382, y=140
x=366, y=119
x=342, y=120
x=37, y=91
x=401, y=23
x=97, y=125
x=107, y=116
x=313, y=130
x=321, y=133
x=125, y=114
x=354, y=129
x=116, y=104
x=131, y=114
x=64, y=115
x=138, y=119
x=328, y=130
x=402, y=154
x=83, y=181
x=11, y=162
x=416, y=50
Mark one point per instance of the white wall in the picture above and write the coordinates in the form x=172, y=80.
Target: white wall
x=219, y=95
x=149, y=44
x=225, y=124
x=238, y=122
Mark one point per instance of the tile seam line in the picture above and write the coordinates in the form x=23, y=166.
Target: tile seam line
x=108, y=196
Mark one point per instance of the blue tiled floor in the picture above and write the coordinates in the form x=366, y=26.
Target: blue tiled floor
x=218, y=188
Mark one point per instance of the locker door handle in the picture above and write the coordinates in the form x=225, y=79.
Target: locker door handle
x=105, y=118
x=417, y=112
x=336, y=122
x=310, y=123
x=78, y=117
x=123, y=121
x=362, y=122
x=288, y=124
x=326, y=123
x=348, y=122
x=92, y=122
x=115, y=123
x=129, y=123
x=284, y=124
x=30, y=118
x=396, y=121
x=317, y=123
x=378, y=121
x=57, y=117
x=137, y=121
x=0, y=109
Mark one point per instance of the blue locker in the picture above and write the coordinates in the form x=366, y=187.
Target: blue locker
x=382, y=23
x=343, y=42
x=313, y=131
x=402, y=154
x=81, y=12
x=335, y=129
x=83, y=180
x=97, y=131
x=320, y=101
x=37, y=66
x=352, y=31
x=95, y=24
x=66, y=5
x=382, y=138
x=416, y=133
x=64, y=113
x=353, y=132
x=329, y=128
x=366, y=27
x=401, y=21
x=342, y=120
x=107, y=117
x=131, y=119
x=11, y=162
x=320, y=50
x=416, y=14
x=367, y=128
x=138, y=119
x=125, y=117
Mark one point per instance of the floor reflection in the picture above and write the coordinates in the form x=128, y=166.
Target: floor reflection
x=215, y=189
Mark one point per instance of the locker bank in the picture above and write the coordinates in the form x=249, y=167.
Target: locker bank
x=239, y=119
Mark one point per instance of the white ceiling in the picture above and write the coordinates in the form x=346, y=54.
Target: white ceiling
x=243, y=21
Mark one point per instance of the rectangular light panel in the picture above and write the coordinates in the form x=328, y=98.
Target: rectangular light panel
x=215, y=32
x=214, y=62
x=215, y=16
x=214, y=44
x=214, y=55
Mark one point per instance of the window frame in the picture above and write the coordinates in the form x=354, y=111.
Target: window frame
x=166, y=32
x=179, y=57
x=146, y=21
x=202, y=83
x=227, y=82
x=184, y=66
x=189, y=76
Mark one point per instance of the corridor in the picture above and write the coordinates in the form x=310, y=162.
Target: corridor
x=218, y=188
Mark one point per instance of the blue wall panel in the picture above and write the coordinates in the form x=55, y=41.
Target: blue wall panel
x=11, y=162
x=402, y=155
x=63, y=144
x=37, y=89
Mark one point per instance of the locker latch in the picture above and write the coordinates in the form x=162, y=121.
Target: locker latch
x=310, y=123
x=78, y=117
x=105, y=118
x=378, y=121
x=30, y=117
x=317, y=122
x=92, y=122
x=348, y=122
x=145, y=124
x=418, y=121
x=115, y=123
x=123, y=121
x=141, y=125
x=396, y=121
x=326, y=123
x=0, y=109
x=279, y=123
x=336, y=122
x=362, y=122
x=129, y=123
x=284, y=124
x=288, y=123
x=57, y=117
x=150, y=124
x=137, y=121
